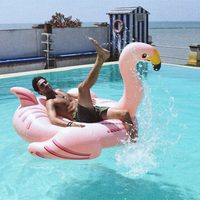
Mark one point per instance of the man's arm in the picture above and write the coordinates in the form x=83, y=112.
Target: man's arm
x=57, y=121
x=53, y=116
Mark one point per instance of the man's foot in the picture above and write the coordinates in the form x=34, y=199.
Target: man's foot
x=132, y=131
x=103, y=54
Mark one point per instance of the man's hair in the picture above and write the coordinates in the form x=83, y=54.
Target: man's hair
x=35, y=81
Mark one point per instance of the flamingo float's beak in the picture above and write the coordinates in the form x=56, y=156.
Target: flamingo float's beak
x=155, y=60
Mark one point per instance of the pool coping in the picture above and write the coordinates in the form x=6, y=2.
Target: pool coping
x=42, y=71
x=11, y=75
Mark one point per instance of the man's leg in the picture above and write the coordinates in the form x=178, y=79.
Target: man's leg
x=124, y=116
x=84, y=97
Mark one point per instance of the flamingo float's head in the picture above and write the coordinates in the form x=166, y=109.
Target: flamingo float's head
x=141, y=51
x=154, y=57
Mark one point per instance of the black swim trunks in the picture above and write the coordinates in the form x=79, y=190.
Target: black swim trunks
x=83, y=114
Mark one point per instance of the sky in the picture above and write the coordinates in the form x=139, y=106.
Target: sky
x=40, y=11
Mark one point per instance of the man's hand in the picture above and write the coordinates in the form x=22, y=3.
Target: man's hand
x=72, y=124
x=77, y=125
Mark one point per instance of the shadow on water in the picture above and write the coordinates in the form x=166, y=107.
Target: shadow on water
x=107, y=184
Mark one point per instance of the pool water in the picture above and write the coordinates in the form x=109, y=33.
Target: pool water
x=164, y=164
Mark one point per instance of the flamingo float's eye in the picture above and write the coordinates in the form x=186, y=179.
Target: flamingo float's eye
x=144, y=55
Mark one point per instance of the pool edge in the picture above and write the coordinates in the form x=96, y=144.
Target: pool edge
x=10, y=75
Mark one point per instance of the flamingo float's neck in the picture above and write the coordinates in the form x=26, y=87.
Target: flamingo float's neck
x=133, y=90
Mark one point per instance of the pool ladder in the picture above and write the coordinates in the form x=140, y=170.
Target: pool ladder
x=50, y=58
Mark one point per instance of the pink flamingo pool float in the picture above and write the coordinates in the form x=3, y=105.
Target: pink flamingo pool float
x=50, y=141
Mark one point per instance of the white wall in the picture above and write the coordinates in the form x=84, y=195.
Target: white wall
x=20, y=43
x=72, y=40
x=27, y=42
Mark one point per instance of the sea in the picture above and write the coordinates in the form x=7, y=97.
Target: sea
x=173, y=39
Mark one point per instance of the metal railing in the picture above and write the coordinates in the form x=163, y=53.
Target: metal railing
x=173, y=47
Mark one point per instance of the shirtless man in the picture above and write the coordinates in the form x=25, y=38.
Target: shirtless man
x=81, y=108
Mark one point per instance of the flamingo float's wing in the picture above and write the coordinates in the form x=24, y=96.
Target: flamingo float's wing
x=26, y=97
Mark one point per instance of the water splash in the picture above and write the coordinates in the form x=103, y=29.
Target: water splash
x=140, y=158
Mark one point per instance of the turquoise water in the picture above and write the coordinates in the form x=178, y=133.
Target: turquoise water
x=164, y=164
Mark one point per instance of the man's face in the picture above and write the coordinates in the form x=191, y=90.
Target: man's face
x=43, y=86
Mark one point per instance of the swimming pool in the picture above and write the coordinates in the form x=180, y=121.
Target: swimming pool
x=164, y=164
